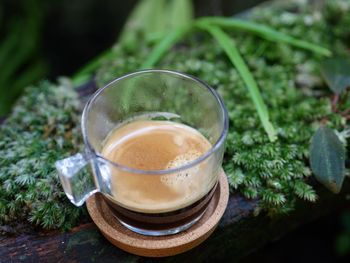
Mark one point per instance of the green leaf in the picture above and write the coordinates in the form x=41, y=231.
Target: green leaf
x=336, y=72
x=327, y=159
x=137, y=21
x=156, y=27
x=180, y=13
x=265, y=32
x=232, y=52
x=146, y=20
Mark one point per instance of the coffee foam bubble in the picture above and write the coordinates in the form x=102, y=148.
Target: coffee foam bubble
x=183, y=159
x=177, y=180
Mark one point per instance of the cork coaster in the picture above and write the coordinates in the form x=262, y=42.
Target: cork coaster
x=161, y=246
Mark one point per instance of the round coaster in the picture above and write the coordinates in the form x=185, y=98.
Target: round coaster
x=161, y=246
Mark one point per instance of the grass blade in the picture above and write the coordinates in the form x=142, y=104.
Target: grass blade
x=164, y=45
x=265, y=32
x=232, y=52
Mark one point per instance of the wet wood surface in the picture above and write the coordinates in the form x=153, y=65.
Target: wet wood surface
x=240, y=232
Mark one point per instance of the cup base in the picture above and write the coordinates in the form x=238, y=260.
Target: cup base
x=165, y=232
x=159, y=246
x=161, y=224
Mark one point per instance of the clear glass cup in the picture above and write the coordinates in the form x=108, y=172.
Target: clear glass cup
x=149, y=94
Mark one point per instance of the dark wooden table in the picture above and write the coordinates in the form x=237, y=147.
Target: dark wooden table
x=239, y=233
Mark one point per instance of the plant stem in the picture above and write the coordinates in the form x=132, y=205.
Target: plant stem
x=334, y=102
x=265, y=32
x=232, y=52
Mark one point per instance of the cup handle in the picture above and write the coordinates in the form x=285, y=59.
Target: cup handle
x=77, y=183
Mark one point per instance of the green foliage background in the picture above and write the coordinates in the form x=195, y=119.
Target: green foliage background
x=20, y=63
x=44, y=124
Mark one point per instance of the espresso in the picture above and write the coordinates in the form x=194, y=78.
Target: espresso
x=158, y=145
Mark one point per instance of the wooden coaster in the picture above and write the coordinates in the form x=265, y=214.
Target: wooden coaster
x=162, y=246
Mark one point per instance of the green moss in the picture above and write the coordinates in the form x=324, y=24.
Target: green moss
x=42, y=129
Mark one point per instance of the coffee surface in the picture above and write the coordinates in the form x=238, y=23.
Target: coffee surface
x=158, y=145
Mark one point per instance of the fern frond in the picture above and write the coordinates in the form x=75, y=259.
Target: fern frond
x=235, y=176
x=305, y=191
x=273, y=197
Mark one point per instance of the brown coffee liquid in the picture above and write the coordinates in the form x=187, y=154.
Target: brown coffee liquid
x=157, y=145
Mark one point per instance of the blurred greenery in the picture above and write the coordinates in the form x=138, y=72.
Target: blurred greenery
x=20, y=63
x=43, y=38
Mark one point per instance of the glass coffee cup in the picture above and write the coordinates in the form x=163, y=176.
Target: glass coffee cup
x=173, y=112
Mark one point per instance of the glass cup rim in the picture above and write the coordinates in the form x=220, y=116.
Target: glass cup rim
x=188, y=165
